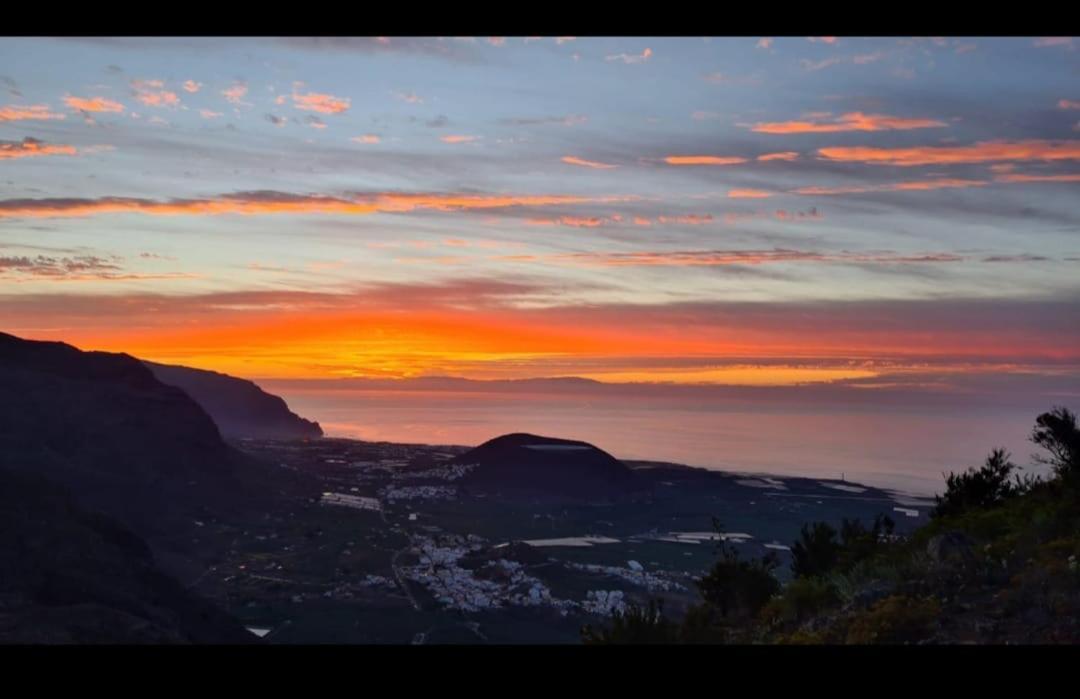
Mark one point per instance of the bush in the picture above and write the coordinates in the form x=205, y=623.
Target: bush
x=801, y=599
x=895, y=619
x=983, y=488
x=739, y=586
x=816, y=552
x=637, y=625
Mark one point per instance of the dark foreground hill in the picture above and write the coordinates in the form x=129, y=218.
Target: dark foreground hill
x=544, y=465
x=238, y=407
x=71, y=576
x=124, y=443
x=106, y=475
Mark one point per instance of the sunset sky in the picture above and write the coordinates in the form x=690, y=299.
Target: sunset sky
x=753, y=210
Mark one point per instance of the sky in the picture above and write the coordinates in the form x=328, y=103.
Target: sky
x=781, y=211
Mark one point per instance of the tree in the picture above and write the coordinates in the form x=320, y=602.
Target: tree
x=816, y=552
x=1056, y=432
x=859, y=543
x=735, y=585
x=980, y=488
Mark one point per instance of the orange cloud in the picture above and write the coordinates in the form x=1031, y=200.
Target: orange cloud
x=209, y=114
x=192, y=86
x=93, y=104
x=31, y=147
x=631, y=58
x=366, y=138
x=1038, y=178
x=572, y=221
x=982, y=152
x=748, y=194
x=714, y=258
x=812, y=214
x=152, y=93
x=788, y=155
x=852, y=121
x=703, y=160
x=33, y=112
x=458, y=139
x=690, y=220
x=1068, y=104
x=916, y=185
x=572, y=160
x=263, y=203
x=324, y=104
x=236, y=93
x=822, y=39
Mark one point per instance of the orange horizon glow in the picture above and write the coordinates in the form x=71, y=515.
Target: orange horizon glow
x=308, y=342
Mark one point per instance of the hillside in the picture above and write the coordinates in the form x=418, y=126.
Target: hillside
x=999, y=563
x=238, y=407
x=102, y=426
x=530, y=463
x=71, y=576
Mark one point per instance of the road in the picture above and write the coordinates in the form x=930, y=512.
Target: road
x=402, y=583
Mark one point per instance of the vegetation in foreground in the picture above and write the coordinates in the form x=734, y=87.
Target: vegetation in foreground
x=999, y=562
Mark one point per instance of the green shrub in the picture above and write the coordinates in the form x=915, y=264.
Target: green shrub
x=801, y=599
x=986, y=487
x=816, y=552
x=637, y=625
x=737, y=586
x=895, y=619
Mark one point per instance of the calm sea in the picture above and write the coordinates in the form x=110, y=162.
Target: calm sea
x=906, y=450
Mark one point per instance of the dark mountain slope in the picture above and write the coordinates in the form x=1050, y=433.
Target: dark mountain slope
x=238, y=406
x=121, y=441
x=526, y=462
x=70, y=576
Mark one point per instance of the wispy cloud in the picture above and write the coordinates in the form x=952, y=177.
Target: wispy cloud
x=271, y=202
x=458, y=138
x=858, y=59
x=192, y=86
x=574, y=160
x=630, y=57
x=1070, y=177
x=368, y=138
x=410, y=97
x=911, y=186
x=33, y=112
x=703, y=160
x=982, y=152
x=93, y=104
x=853, y=121
x=152, y=93
x=32, y=147
x=322, y=103
x=748, y=194
x=1050, y=41
x=788, y=156
x=717, y=258
x=568, y=120
x=236, y=93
